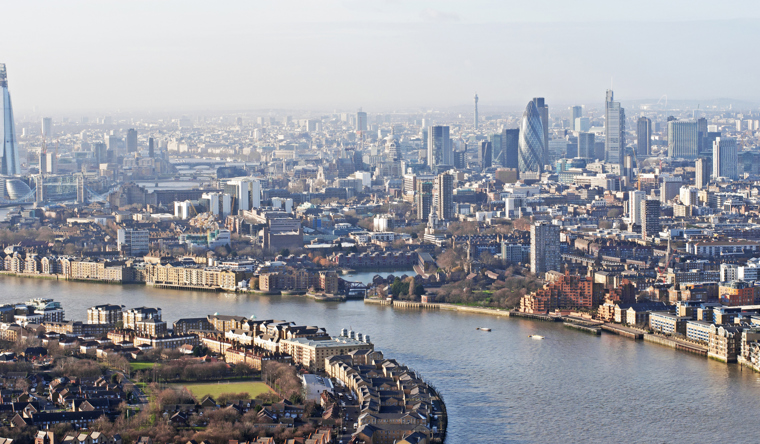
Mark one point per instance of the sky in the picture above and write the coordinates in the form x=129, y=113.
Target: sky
x=381, y=55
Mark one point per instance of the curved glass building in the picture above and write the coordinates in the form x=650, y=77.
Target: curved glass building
x=531, y=142
x=9, y=161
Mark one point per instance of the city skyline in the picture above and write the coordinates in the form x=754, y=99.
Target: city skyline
x=349, y=55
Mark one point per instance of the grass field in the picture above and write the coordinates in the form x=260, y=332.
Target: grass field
x=215, y=389
x=141, y=365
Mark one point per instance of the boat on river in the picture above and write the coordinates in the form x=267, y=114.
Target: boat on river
x=483, y=329
x=535, y=336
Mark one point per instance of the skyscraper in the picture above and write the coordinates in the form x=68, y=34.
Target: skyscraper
x=586, y=145
x=47, y=128
x=131, y=140
x=702, y=176
x=439, y=147
x=424, y=199
x=497, y=149
x=151, y=148
x=361, y=121
x=484, y=154
x=683, y=139
x=544, y=248
x=445, y=187
x=644, y=137
x=511, y=143
x=634, y=206
x=531, y=142
x=614, y=130
x=650, y=218
x=576, y=112
x=543, y=111
x=476, y=110
x=725, y=158
x=10, y=163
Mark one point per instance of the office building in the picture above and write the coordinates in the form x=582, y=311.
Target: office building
x=644, y=137
x=131, y=140
x=725, y=158
x=424, y=198
x=511, y=144
x=706, y=150
x=497, y=149
x=151, y=148
x=531, y=141
x=614, y=130
x=683, y=139
x=240, y=190
x=702, y=175
x=650, y=218
x=10, y=164
x=133, y=242
x=576, y=112
x=688, y=195
x=476, y=111
x=543, y=111
x=255, y=191
x=582, y=124
x=81, y=190
x=445, y=187
x=361, y=121
x=586, y=145
x=439, y=147
x=485, y=154
x=47, y=128
x=544, y=248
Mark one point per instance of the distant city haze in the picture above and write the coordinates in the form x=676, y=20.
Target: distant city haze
x=381, y=55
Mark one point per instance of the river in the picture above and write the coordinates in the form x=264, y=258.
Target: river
x=499, y=386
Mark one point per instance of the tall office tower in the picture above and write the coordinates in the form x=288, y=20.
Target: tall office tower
x=39, y=188
x=131, y=140
x=445, y=187
x=485, y=155
x=650, y=218
x=497, y=148
x=643, y=137
x=255, y=193
x=668, y=120
x=439, y=147
x=575, y=113
x=361, y=121
x=582, y=124
x=614, y=130
x=100, y=150
x=634, y=206
x=688, y=195
x=531, y=143
x=586, y=145
x=683, y=140
x=702, y=177
x=81, y=191
x=47, y=128
x=476, y=111
x=151, y=148
x=725, y=158
x=239, y=189
x=707, y=143
x=543, y=111
x=10, y=163
x=133, y=242
x=544, y=248
x=43, y=160
x=702, y=131
x=511, y=144
x=424, y=198
x=112, y=141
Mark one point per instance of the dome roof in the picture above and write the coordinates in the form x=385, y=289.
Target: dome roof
x=16, y=189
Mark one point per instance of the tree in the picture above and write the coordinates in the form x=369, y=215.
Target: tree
x=613, y=213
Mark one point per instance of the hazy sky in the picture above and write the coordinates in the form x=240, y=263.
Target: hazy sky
x=176, y=55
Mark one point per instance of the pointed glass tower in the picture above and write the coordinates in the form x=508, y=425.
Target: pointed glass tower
x=9, y=161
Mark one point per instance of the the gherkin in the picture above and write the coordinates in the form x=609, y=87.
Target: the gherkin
x=531, y=142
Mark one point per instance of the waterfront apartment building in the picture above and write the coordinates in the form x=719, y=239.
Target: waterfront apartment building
x=107, y=314
x=737, y=293
x=668, y=323
x=312, y=354
x=724, y=342
x=565, y=292
x=134, y=315
x=544, y=248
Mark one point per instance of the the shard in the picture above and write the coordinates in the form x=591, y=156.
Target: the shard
x=531, y=141
x=9, y=161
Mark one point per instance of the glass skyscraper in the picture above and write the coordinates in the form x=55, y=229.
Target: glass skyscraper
x=531, y=142
x=9, y=162
x=683, y=139
x=614, y=129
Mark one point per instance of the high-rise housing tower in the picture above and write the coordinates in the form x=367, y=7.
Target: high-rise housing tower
x=476, y=110
x=644, y=136
x=444, y=184
x=544, y=248
x=650, y=218
x=10, y=164
x=702, y=176
x=543, y=111
x=614, y=130
x=725, y=158
x=531, y=141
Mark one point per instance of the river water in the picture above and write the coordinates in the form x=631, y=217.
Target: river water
x=499, y=386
